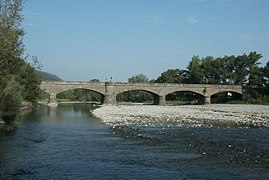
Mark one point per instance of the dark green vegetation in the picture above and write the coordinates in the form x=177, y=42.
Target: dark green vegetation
x=18, y=79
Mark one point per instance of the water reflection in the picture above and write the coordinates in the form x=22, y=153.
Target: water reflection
x=52, y=113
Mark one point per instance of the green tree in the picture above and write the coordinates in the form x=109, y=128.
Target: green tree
x=195, y=72
x=10, y=99
x=29, y=81
x=265, y=71
x=227, y=69
x=173, y=76
x=11, y=50
x=140, y=78
x=211, y=70
x=256, y=78
x=255, y=72
x=18, y=80
x=94, y=80
x=242, y=67
x=11, y=35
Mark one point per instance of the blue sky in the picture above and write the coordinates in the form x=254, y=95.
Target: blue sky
x=87, y=39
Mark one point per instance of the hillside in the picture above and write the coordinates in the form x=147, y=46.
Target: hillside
x=48, y=77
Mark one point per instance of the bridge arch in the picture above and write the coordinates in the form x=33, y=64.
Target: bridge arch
x=227, y=90
x=54, y=88
x=134, y=88
x=200, y=92
x=185, y=97
x=137, y=96
x=81, y=94
x=74, y=88
x=225, y=96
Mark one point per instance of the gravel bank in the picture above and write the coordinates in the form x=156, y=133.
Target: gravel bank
x=192, y=115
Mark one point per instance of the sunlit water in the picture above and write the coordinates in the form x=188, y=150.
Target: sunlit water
x=68, y=143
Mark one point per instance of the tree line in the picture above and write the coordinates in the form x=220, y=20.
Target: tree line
x=245, y=70
x=18, y=79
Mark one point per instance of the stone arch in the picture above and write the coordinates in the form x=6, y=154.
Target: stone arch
x=188, y=96
x=73, y=88
x=184, y=90
x=81, y=88
x=136, y=88
x=228, y=90
x=226, y=95
x=153, y=96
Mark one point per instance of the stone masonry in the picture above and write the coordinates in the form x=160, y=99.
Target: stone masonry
x=109, y=91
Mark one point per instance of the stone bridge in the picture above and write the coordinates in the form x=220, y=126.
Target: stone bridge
x=109, y=91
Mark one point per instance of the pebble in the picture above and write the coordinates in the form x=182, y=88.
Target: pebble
x=194, y=115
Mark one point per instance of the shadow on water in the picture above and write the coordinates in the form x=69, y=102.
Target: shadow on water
x=68, y=143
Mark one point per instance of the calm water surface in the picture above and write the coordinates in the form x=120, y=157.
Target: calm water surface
x=68, y=143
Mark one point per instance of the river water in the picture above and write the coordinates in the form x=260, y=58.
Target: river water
x=68, y=143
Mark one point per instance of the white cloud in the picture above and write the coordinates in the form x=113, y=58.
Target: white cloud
x=192, y=19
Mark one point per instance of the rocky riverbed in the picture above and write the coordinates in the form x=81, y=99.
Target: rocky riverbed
x=190, y=115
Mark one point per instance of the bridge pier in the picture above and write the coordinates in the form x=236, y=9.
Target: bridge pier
x=207, y=100
x=52, y=100
x=110, y=99
x=159, y=100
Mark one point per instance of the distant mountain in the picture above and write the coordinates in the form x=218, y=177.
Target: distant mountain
x=47, y=76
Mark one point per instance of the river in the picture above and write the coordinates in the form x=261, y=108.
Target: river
x=68, y=143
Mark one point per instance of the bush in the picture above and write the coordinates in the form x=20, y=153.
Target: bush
x=10, y=101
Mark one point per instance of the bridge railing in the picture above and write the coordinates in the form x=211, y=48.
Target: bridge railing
x=140, y=84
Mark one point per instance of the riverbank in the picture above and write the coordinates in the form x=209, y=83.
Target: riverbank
x=25, y=108
x=191, y=115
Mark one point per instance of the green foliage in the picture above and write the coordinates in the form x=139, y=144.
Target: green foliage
x=17, y=78
x=256, y=77
x=195, y=71
x=11, y=47
x=211, y=70
x=29, y=81
x=266, y=71
x=136, y=96
x=240, y=70
x=10, y=99
x=140, y=78
x=94, y=80
x=173, y=76
x=231, y=70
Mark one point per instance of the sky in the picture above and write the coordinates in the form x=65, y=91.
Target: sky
x=80, y=40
